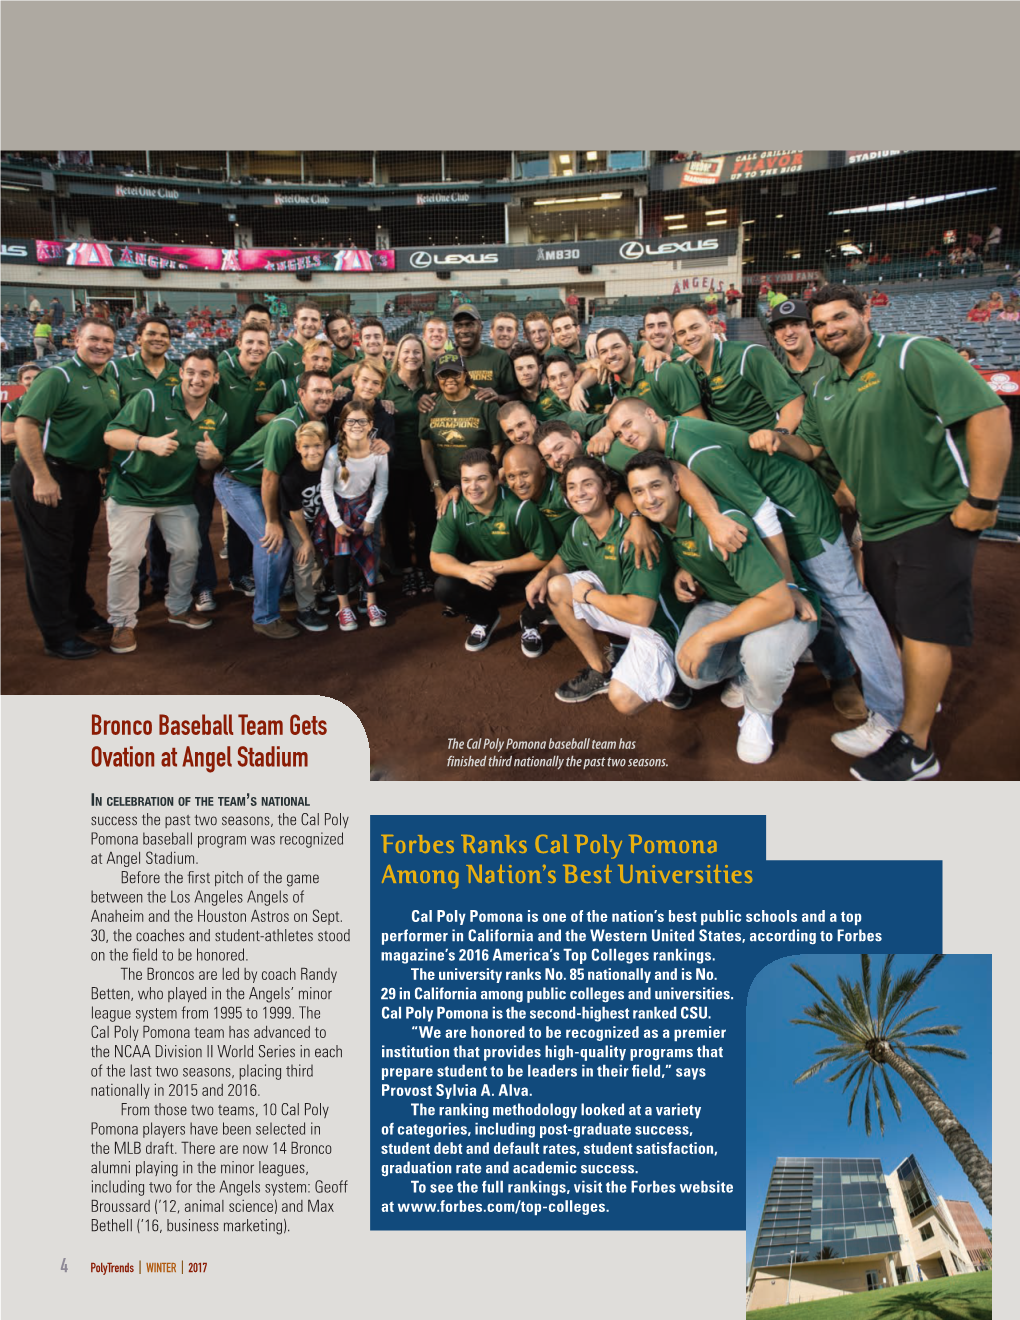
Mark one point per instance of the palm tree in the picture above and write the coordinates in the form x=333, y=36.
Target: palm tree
x=871, y=1039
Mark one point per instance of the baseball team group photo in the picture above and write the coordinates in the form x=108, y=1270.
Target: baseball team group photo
x=706, y=453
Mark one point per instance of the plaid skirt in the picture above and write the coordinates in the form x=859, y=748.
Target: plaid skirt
x=363, y=549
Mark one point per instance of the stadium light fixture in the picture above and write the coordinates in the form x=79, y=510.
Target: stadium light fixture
x=14, y=187
x=565, y=159
x=672, y=227
x=567, y=173
x=747, y=222
x=710, y=223
x=779, y=216
x=673, y=217
x=722, y=211
x=591, y=155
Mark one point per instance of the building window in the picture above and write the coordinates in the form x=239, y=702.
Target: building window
x=927, y=1232
x=873, y=1280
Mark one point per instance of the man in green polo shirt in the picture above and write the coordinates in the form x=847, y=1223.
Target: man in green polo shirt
x=288, y=358
x=670, y=389
x=566, y=338
x=492, y=375
x=798, y=522
x=239, y=485
x=532, y=390
x=753, y=625
x=596, y=584
x=340, y=333
x=162, y=438
x=55, y=487
x=485, y=545
x=526, y=475
x=318, y=357
x=806, y=363
x=740, y=384
x=148, y=367
x=658, y=328
x=923, y=444
x=503, y=331
x=246, y=376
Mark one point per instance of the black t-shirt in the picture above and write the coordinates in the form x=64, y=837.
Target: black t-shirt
x=301, y=489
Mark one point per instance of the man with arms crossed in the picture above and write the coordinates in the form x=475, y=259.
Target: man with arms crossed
x=923, y=444
x=753, y=626
x=163, y=438
x=595, y=584
x=482, y=544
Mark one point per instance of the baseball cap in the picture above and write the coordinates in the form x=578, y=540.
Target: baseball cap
x=449, y=362
x=791, y=310
x=468, y=310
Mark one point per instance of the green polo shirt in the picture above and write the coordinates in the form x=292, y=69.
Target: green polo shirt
x=554, y=508
x=670, y=389
x=546, y=406
x=142, y=478
x=491, y=369
x=288, y=358
x=280, y=396
x=726, y=463
x=745, y=573
x=405, y=456
x=454, y=428
x=242, y=396
x=621, y=575
x=271, y=447
x=576, y=356
x=896, y=430
x=73, y=407
x=820, y=365
x=744, y=387
x=675, y=352
x=510, y=530
x=134, y=376
x=12, y=409
x=341, y=360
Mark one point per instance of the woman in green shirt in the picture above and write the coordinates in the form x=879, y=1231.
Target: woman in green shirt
x=411, y=501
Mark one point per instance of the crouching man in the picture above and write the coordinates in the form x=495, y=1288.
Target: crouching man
x=163, y=438
x=749, y=626
x=482, y=544
x=595, y=584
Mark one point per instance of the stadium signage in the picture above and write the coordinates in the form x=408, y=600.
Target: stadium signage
x=300, y=199
x=863, y=157
x=145, y=194
x=426, y=258
x=768, y=164
x=86, y=253
x=430, y=199
x=636, y=250
x=15, y=252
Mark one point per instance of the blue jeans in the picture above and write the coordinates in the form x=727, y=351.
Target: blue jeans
x=764, y=661
x=833, y=576
x=244, y=504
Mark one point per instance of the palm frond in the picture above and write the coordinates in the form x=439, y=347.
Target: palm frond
x=860, y=1079
x=866, y=978
x=878, y=1104
x=939, y=1049
x=820, y=988
x=892, y=1094
x=884, y=982
x=945, y=1030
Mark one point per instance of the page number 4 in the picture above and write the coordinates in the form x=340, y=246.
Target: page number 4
x=63, y=1264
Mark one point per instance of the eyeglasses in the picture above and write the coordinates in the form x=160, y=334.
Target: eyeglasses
x=355, y=423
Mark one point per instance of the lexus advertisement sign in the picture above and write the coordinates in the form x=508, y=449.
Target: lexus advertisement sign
x=720, y=244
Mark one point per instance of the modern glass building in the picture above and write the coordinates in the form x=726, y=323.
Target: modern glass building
x=834, y=1226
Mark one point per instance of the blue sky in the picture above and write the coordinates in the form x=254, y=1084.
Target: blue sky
x=810, y=1119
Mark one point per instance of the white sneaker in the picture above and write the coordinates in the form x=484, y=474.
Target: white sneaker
x=205, y=602
x=755, y=742
x=732, y=694
x=866, y=738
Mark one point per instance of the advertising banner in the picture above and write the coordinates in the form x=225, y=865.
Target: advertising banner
x=709, y=244
x=694, y=173
x=1003, y=382
x=771, y=164
x=89, y=254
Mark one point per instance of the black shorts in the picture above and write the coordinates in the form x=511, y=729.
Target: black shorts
x=921, y=581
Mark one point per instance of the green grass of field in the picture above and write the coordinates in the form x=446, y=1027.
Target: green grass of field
x=965, y=1297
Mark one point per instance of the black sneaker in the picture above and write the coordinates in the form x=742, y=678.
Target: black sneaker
x=245, y=585
x=899, y=758
x=531, y=643
x=680, y=698
x=311, y=621
x=587, y=684
x=480, y=635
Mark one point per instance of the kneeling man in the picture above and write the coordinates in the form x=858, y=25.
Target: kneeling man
x=483, y=542
x=595, y=584
x=750, y=627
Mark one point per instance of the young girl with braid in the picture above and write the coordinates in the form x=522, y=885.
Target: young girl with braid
x=354, y=487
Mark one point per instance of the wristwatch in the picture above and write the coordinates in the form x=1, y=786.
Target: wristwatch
x=987, y=506
x=436, y=484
